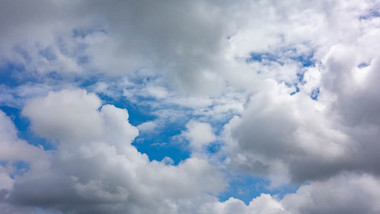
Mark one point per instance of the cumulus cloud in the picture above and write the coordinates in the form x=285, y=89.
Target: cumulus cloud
x=16, y=157
x=12, y=148
x=199, y=134
x=15, y=150
x=318, y=131
x=345, y=193
x=287, y=134
x=181, y=39
x=98, y=166
x=278, y=133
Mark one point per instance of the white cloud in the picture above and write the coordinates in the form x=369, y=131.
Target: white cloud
x=98, y=165
x=14, y=149
x=278, y=133
x=199, y=134
x=345, y=193
x=147, y=127
x=66, y=115
x=293, y=138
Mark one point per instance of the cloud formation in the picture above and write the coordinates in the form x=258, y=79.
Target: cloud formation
x=287, y=92
x=95, y=163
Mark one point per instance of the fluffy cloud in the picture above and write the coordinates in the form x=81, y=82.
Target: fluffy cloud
x=283, y=135
x=346, y=193
x=290, y=137
x=199, y=134
x=96, y=165
x=12, y=148
x=16, y=156
x=182, y=40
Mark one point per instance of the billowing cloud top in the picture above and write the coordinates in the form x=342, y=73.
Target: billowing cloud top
x=189, y=107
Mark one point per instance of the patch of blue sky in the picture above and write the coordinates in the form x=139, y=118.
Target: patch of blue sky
x=281, y=56
x=297, y=89
x=315, y=93
x=163, y=144
x=246, y=187
x=157, y=144
x=214, y=148
x=164, y=141
x=305, y=60
x=20, y=167
x=263, y=58
x=363, y=65
x=294, y=86
x=169, y=133
x=14, y=74
x=138, y=112
x=8, y=73
x=300, y=76
x=372, y=13
x=90, y=80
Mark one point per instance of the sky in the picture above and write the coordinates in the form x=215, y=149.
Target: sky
x=202, y=106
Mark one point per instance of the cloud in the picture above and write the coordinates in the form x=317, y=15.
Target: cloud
x=14, y=149
x=199, y=134
x=16, y=157
x=182, y=39
x=345, y=193
x=148, y=127
x=290, y=137
x=278, y=133
x=97, y=167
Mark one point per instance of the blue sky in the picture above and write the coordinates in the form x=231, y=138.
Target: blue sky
x=189, y=107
